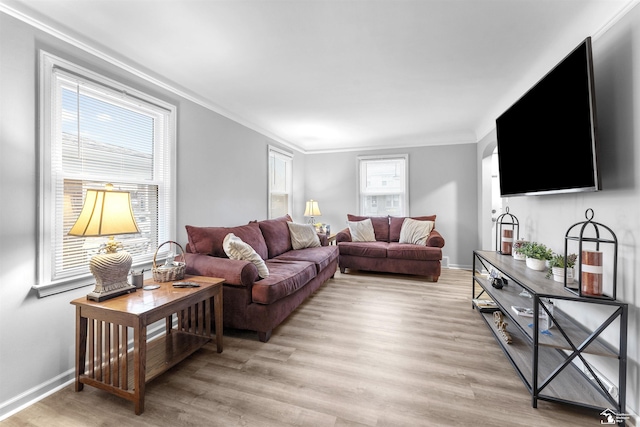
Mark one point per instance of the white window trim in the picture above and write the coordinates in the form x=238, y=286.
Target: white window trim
x=284, y=153
x=44, y=285
x=360, y=159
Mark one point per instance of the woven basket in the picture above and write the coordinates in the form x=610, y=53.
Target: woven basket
x=165, y=273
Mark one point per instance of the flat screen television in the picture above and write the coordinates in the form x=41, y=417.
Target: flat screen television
x=547, y=139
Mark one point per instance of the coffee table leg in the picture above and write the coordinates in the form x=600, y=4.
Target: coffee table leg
x=139, y=365
x=217, y=301
x=81, y=347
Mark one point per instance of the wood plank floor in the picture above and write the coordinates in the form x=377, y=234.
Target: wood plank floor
x=365, y=350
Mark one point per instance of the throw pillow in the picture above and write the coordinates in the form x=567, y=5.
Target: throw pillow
x=303, y=236
x=235, y=248
x=361, y=231
x=415, y=232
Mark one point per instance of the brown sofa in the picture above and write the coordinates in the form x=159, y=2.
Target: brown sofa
x=385, y=254
x=251, y=302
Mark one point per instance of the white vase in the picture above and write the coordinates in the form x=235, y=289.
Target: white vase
x=536, y=264
x=558, y=274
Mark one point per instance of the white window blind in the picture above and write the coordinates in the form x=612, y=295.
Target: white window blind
x=383, y=186
x=280, y=182
x=97, y=131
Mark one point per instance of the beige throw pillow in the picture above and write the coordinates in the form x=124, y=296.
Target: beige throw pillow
x=235, y=248
x=362, y=231
x=415, y=232
x=303, y=236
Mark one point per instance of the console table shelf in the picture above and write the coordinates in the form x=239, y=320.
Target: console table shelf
x=544, y=360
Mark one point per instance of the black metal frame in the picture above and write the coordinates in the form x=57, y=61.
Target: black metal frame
x=515, y=226
x=536, y=388
x=580, y=238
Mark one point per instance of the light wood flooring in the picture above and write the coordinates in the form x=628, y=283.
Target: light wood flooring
x=364, y=350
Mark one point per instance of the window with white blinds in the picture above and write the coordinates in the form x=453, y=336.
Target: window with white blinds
x=383, y=185
x=280, y=182
x=96, y=131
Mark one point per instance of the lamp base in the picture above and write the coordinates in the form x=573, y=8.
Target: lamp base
x=110, y=270
x=103, y=296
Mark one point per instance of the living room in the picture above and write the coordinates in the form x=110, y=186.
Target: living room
x=222, y=162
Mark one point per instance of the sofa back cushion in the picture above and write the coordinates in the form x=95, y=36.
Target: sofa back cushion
x=380, y=225
x=276, y=235
x=395, y=225
x=208, y=240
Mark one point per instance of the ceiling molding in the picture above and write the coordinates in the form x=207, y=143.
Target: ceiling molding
x=39, y=25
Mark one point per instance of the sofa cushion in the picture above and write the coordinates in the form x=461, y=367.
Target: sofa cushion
x=320, y=256
x=415, y=232
x=380, y=225
x=208, y=240
x=364, y=249
x=236, y=249
x=285, y=277
x=361, y=231
x=395, y=225
x=276, y=235
x=303, y=236
x=413, y=252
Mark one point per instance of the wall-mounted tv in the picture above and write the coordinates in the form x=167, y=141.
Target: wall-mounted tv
x=547, y=139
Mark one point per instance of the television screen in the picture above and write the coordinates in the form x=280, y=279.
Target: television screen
x=547, y=139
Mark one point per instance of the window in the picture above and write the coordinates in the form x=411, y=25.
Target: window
x=96, y=131
x=280, y=182
x=383, y=185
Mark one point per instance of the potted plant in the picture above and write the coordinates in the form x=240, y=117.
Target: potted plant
x=536, y=255
x=556, y=267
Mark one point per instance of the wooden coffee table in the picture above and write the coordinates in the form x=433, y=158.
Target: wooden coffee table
x=104, y=358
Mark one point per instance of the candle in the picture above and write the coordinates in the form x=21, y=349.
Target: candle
x=507, y=241
x=591, y=273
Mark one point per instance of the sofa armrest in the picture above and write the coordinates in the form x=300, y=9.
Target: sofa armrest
x=435, y=239
x=343, y=236
x=234, y=272
x=324, y=240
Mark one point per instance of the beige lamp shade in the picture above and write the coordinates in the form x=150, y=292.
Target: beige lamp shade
x=105, y=213
x=312, y=209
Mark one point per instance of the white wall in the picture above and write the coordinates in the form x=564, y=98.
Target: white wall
x=547, y=218
x=442, y=181
x=222, y=180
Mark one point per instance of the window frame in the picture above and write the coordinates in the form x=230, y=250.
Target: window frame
x=47, y=222
x=289, y=158
x=360, y=160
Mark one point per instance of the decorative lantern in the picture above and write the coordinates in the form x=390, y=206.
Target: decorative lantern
x=507, y=231
x=597, y=247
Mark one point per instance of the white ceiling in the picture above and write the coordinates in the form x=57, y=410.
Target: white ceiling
x=338, y=75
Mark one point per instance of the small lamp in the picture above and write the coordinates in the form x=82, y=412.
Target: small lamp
x=312, y=210
x=107, y=213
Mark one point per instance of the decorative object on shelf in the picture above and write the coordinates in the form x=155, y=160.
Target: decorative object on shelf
x=312, y=210
x=557, y=267
x=507, y=228
x=516, y=247
x=172, y=269
x=591, y=273
x=107, y=213
x=597, y=248
x=501, y=325
x=537, y=255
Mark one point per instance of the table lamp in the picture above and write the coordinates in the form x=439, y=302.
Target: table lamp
x=312, y=210
x=107, y=213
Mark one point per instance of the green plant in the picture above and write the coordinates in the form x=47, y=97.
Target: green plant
x=558, y=261
x=535, y=250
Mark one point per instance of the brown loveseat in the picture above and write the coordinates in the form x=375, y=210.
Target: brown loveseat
x=251, y=302
x=386, y=254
